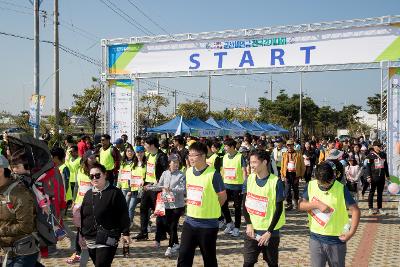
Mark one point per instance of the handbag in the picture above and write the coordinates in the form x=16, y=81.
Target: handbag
x=105, y=236
x=352, y=186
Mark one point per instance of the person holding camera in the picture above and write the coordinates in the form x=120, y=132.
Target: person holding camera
x=104, y=217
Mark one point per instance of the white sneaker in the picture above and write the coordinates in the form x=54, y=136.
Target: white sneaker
x=168, y=252
x=371, y=212
x=175, y=248
x=235, y=232
x=229, y=228
x=221, y=224
x=381, y=212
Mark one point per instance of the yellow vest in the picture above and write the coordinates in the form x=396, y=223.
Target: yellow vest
x=67, y=187
x=73, y=166
x=202, y=200
x=138, y=175
x=332, y=223
x=232, y=169
x=124, y=176
x=84, y=185
x=106, y=158
x=151, y=169
x=260, y=203
x=211, y=160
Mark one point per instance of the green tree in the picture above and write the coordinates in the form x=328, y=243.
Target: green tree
x=88, y=104
x=374, y=104
x=150, y=111
x=22, y=121
x=193, y=109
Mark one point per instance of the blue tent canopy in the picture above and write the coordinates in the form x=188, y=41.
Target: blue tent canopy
x=280, y=129
x=252, y=128
x=171, y=126
x=232, y=129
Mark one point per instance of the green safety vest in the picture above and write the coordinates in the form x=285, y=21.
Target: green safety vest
x=211, y=160
x=151, y=169
x=73, y=165
x=84, y=185
x=232, y=169
x=67, y=187
x=124, y=176
x=106, y=158
x=138, y=175
x=332, y=223
x=202, y=200
x=260, y=203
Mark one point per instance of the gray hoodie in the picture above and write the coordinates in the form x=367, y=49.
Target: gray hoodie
x=176, y=182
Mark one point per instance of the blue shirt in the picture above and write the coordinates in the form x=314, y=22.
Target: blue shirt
x=330, y=240
x=219, y=186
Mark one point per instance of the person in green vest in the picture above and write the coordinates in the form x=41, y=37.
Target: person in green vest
x=157, y=163
x=125, y=171
x=263, y=196
x=137, y=180
x=206, y=194
x=109, y=157
x=68, y=143
x=326, y=201
x=58, y=155
x=82, y=185
x=73, y=165
x=214, y=157
x=234, y=173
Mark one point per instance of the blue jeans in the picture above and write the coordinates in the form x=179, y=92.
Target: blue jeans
x=131, y=201
x=23, y=261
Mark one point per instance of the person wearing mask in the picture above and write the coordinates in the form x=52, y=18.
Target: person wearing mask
x=173, y=186
x=17, y=221
x=156, y=164
x=138, y=174
x=104, y=217
x=309, y=161
x=234, y=173
x=277, y=155
x=109, y=158
x=263, y=211
x=205, y=195
x=291, y=172
x=377, y=172
x=326, y=201
x=82, y=185
x=179, y=148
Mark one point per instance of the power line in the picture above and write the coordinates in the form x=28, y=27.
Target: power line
x=18, y=5
x=148, y=17
x=127, y=17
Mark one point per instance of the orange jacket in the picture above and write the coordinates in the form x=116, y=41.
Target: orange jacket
x=298, y=160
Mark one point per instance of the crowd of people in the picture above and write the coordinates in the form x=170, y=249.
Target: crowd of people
x=101, y=185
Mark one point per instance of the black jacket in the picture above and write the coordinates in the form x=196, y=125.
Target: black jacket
x=372, y=171
x=161, y=163
x=110, y=210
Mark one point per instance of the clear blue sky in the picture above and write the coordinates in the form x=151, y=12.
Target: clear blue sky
x=98, y=21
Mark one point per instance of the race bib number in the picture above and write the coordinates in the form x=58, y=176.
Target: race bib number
x=194, y=195
x=150, y=169
x=136, y=181
x=322, y=218
x=291, y=166
x=307, y=162
x=125, y=176
x=168, y=197
x=256, y=205
x=379, y=163
x=84, y=187
x=230, y=173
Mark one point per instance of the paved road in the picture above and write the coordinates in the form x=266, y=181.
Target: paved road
x=376, y=244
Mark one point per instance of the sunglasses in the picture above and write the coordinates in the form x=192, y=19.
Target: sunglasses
x=96, y=176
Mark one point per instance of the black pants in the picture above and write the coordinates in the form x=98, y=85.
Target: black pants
x=173, y=216
x=279, y=171
x=365, y=186
x=237, y=197
x=377, y=184
x=205, y=238
x=148, y=202
x=78, y=248
x=292, y=182
x=308, y=173
x=252, y=250
x=102, y=257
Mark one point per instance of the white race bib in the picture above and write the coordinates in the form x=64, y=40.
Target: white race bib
x=194, y=195
x=379, y=163
x=136, y=181
x=322, y=218
x=230, y=173
x=291, y=166
x=125, y=176
x=84, y=187
x=256, y=205
x=150, y=169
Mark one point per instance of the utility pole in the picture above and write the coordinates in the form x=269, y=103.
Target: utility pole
x=270, y=86
x=301, y=100
x=209, y=93
x=36, y=66
x=56, y=69
x=158, y=86
x=174, y=93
